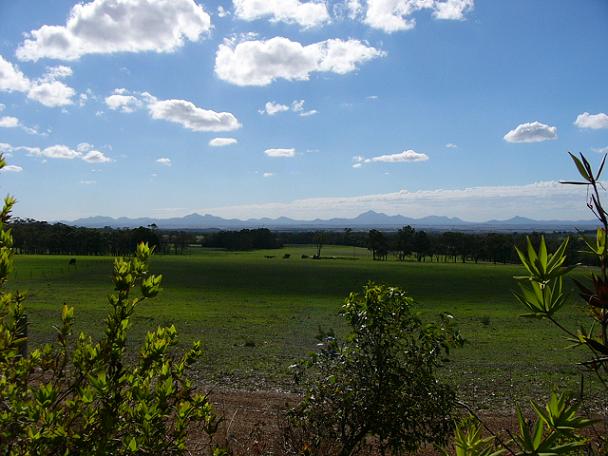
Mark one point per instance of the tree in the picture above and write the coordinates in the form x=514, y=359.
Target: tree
x=379, y=381
x=422, y=245
x=319, y=240
x=77, y=396
x=377, y=244
x=405, y=241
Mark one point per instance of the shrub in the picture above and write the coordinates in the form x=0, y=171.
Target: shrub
x=379, y=381
x=83, y=397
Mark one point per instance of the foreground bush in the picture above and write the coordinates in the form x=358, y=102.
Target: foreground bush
x=77, y=396
x=558, y=427
x=380, y=381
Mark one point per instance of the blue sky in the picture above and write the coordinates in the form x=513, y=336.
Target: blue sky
x=416, y=107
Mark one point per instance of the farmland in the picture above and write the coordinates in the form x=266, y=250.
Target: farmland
x=257, y=315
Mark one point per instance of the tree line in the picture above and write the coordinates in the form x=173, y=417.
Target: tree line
x=37, y=237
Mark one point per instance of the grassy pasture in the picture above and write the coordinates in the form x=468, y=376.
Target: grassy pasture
x=256, y=315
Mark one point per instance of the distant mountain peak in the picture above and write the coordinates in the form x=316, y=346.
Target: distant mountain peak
x=366, y=220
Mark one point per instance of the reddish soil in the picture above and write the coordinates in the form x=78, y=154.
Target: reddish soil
x=254, y=421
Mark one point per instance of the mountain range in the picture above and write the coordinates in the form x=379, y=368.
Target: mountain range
x=366, y=220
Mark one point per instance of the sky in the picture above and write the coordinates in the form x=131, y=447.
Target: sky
x=301, y=108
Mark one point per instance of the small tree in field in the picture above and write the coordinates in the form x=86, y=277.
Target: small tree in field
x=380, y=381
x=78, y=396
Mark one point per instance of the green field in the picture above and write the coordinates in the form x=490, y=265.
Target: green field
x=257, y=315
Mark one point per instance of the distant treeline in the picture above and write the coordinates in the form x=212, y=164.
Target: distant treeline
x=408, y=243
x=35, y=237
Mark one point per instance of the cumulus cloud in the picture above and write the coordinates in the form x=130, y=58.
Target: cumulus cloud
x=306, y=14
x=11, y=169
x=118, y=101
x=451, y=146
x=260, y=62
x=221, y=12
x=280, y=153
x=353, y=8
x=52, y=94
x=452, y=9
x=11, y=78
x=396, y=15
x=540, y=200
x=83, y=151
x=271, y=108
x=164, y=161
x=592, y=121
x=531, y=132
x=9, y=122
x=192, y=117
x=182, y=112
x=109, y=26
x=221, y=142
x=96, y=156
x=47, y=90
x=402, y=157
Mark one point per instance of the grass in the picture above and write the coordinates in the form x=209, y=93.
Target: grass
x=257, y=315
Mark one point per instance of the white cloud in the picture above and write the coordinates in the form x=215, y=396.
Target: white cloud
x=88, y=182
x=13, y=122
x=83, y=151
x=271, y=108
x=306, y=14
x=182, y=112
x=164, y=161
x=11, y=78
x=118, y=101
x=297, y=105
x=280, y=153
x=9, y=122
x=192, y=117
x=109, y=26
x=268, y=174
x=354, y=8
x=531, y=132
x=540, y=201
x=84, y=147
x=12, y=169
x=46, y=90
x=593, y=121
x=59, y=151
x=259, y=63
x=221, y=142
x=600, y=150
x=451, y=146
x=402, y=157
x=357, y=165
x=221, y=12
x=396, y=15
x=96, y=156
x=452, y=9
x=52, y=94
